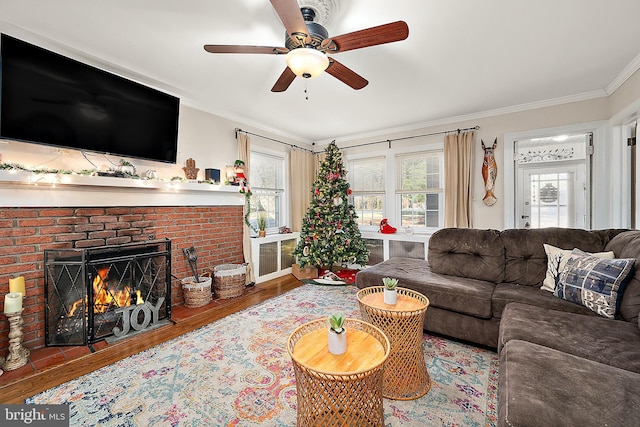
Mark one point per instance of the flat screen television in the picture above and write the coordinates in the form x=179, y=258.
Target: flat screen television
x=47, y=98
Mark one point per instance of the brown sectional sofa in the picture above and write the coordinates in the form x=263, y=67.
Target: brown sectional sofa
x=560, y=363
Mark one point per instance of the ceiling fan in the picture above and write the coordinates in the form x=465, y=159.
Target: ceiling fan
x=307, y=44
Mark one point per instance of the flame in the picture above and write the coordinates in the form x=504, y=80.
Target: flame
x=74, y=307
x=103, y=297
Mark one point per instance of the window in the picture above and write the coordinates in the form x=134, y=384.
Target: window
x=405, y=188
x=419, y=189
x=267, y=185
x=367, y=183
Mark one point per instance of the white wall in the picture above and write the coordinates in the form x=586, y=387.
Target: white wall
x=497, y=126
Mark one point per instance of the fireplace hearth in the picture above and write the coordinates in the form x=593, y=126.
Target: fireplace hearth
x=97, y=293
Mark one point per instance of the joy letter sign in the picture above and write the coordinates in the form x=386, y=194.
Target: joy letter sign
x=131, y=317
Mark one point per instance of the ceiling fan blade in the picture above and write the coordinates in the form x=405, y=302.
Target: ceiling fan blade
x=387, y=33
x=284, y=81
x=291, y=17
x=346, y=75
x=221, y=48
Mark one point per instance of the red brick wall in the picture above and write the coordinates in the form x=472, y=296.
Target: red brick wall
x=214, y=231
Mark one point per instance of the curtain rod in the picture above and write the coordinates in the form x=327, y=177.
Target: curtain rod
x=476, y=127
x=274, y=140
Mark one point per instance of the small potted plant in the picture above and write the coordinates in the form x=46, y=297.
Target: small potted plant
x=262, y=223
x=337, y=334
x=390, y=290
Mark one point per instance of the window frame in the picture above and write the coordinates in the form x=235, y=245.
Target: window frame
x=427, y=191
x=391, y=203
x=364, y=193
x=282, y=193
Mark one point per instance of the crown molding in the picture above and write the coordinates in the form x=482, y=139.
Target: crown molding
x=627, y=72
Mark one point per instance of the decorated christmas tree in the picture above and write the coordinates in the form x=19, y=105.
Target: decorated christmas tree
x=330, y=235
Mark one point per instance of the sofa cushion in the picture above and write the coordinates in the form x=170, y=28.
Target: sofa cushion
x=540, y=386
x=612, y=342
x=627, y=245
x=461, y=326
x=506, y=293
x=557, y=261
x=525, y=259
x=464, y=252
x=459, y=294
x=594, y=282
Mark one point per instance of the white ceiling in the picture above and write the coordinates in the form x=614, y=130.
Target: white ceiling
x=462, y=57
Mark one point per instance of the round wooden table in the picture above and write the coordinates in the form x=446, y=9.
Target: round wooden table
x=405, y=372
x=339, y=390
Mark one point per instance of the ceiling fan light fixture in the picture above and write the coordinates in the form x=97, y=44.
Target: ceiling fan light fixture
x=307, y=62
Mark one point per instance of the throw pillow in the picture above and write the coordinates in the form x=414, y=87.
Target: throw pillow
x=556, y=262
x=593, y=282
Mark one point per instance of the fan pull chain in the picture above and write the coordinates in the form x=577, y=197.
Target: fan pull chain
x=306, y=94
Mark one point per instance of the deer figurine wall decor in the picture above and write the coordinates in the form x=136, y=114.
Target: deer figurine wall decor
x=489, y=173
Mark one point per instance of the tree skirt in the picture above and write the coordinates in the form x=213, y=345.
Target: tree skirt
x=336, y=277
x=323, y=282
x=236, y=372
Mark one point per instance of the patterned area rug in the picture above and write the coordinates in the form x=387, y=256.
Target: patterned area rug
x=237, y=372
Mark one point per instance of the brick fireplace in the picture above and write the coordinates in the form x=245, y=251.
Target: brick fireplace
x=25, y=233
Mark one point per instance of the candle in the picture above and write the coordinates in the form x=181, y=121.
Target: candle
x=16, y=284
x=12, y=303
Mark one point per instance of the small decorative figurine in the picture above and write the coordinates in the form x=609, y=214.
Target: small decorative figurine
x=238, y=169
x=240, y=176
x=385, y=228
x=191, y=171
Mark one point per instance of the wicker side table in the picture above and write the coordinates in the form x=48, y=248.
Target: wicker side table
x=405, y=372
x=339, y=390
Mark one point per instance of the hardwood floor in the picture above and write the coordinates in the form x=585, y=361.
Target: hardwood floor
x=52, y=366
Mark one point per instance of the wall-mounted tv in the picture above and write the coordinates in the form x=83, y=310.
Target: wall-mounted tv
x=47, y=98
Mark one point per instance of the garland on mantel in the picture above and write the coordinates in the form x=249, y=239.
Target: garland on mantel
x=16, y=166
x=87, y=172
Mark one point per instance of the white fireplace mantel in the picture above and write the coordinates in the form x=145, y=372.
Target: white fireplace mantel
x=26, y=189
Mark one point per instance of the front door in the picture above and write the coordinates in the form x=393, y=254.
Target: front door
x=552, y=182
x=553, y=197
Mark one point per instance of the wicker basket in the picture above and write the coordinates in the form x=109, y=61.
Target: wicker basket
x=229, y=280
x=196, y=294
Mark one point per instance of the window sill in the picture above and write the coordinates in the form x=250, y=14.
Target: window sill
x=399, y=235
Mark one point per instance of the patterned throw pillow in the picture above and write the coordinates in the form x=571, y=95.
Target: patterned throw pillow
x=594, y=282
x=556, y=262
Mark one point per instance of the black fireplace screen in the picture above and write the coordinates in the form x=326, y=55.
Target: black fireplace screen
x=94, y=293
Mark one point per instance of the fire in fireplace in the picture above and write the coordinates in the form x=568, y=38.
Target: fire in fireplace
x=96, y=293
x=106, y=295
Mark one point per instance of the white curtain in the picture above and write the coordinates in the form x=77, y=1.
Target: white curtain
x=301, y=171
x=458, y=168
x=244, y=155
x=319, y=158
